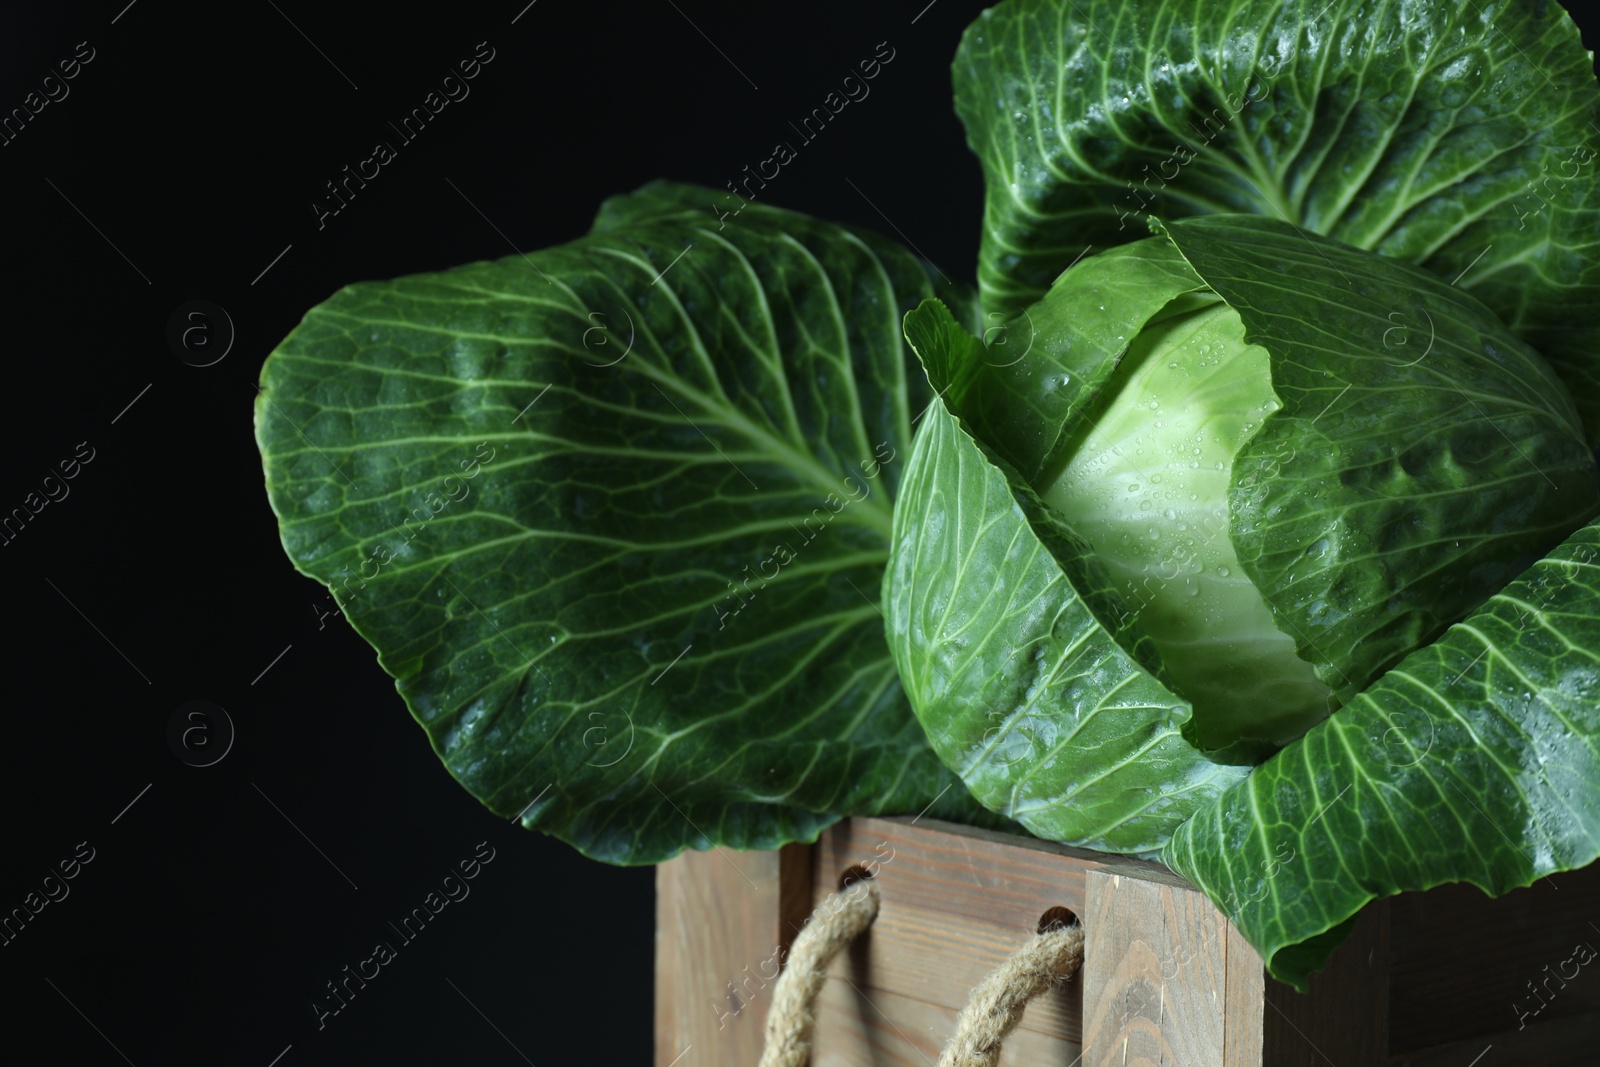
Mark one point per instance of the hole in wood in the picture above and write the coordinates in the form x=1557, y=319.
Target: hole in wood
x=851, y=875
x=1056, y=918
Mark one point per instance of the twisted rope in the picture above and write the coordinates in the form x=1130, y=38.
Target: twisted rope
x=832, y=926
x=996, y=1005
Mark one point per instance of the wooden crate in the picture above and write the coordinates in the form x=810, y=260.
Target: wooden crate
x=1426, y=980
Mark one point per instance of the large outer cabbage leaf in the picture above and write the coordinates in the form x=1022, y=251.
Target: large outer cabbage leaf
x=1477, y=760
x=1399, y=485
x=1459, y=136
x=615, y=516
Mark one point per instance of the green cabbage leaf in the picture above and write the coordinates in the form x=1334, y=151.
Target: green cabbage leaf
x=615, y=515
x=1458, y=135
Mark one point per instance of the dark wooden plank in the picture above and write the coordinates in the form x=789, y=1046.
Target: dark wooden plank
x=1573, y=1041
x=1342, y=1018
x=1464, y=964
x=796, y=863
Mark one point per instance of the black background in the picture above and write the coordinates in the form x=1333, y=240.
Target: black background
x=194, y=143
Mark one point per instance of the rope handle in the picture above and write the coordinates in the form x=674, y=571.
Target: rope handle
x=1051, y=956
x=837, y=921
x=994, y=1009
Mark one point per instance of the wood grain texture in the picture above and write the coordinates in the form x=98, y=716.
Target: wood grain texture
x=1441, y=993
x=1171, y=981
x=796, y=862
x=717, y=945
x=1244, y=1045
x=956, y=902
x=1573, y=1041
x=857, y=1028
x=1426, y=979
x=1155, y=974
x=1341, y=1019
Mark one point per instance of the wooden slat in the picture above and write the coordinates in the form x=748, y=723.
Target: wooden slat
x=1155, y=971
x=796, y=862
x=1567, y=1042
x=1244, y=1045
x=717, y=924
x=1170, y=981
x=856, y=1028
x=956, y=902
x=1425, y=979
x=1440, y=995
x=1343, y=1018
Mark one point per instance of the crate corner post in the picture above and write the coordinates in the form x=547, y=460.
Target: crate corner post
x=1168, y=979
x=723, y=919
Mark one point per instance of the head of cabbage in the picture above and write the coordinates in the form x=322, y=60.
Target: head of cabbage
x=1196, y=499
